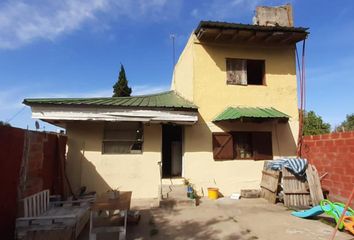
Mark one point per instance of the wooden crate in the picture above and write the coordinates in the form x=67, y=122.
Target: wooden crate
x=269, y=184
x=296, y=191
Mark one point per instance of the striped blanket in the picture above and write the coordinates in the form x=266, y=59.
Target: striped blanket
x=295, y=165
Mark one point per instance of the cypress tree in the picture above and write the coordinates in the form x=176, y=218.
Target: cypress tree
x=121, y=88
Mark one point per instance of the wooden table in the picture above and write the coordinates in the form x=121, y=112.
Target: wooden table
x=105, y=203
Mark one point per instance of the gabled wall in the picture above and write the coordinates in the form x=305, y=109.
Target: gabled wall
x=212, y=96
x=183, y=75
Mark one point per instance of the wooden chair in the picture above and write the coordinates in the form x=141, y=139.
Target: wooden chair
x=104, y=217
x=108, y=222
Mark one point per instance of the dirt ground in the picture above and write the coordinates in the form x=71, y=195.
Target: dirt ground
x=245, y=219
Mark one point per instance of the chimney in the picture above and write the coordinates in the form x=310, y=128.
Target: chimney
x=274, y=16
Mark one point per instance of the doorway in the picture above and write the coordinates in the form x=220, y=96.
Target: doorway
x=171, y=151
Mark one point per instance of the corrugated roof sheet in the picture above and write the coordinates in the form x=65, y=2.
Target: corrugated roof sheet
x=239, y=26
x=160, y=100
x=235, y=113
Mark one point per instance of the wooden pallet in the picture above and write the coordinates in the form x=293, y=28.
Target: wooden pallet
x=40, y=216
x=314, y=184
x=269, y=184
x=296, y=191
x=62, y=234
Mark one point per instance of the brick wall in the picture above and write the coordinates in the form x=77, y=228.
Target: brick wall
x=44, y=159
x=333, y=154
x=42, y=164
x=11, y=145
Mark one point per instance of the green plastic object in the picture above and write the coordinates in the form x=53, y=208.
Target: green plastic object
x=335, y=210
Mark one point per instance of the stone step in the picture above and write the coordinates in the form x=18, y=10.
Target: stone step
x=171, y=203
x=175, y=195
x=174, y=191
x=173, y=181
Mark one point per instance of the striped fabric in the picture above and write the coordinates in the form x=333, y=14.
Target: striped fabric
x=295, y=165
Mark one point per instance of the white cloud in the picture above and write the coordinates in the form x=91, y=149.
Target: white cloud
x=8, y=101
x=146, y=89
x=22, y=22
x=136, y=90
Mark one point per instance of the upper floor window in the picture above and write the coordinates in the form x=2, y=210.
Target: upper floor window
x=245, y=71
x=122, y=138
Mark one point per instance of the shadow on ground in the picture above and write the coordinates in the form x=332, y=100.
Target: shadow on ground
x=245, y=219
x=186, y=223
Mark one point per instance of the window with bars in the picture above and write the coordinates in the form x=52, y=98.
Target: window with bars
x=245, y=71
x=122, y=138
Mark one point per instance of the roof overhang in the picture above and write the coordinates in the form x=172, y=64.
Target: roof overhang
x=223, y=32
x=251, y=114
x=59, y=115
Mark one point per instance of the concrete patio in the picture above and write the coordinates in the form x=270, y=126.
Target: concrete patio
x=244, y=219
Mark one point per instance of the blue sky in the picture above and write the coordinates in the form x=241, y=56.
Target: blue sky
x=73, y=48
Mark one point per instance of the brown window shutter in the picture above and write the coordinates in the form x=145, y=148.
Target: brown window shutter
x=236, y=71
x=262, y=145
x=223, y=146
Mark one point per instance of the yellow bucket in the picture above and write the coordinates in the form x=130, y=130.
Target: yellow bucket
x=213, y=193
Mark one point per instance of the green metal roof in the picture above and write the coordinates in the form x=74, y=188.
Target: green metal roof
x=160, y=100
x=235, y=113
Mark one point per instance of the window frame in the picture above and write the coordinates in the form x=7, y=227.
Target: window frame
x=105, y=140
x=258, y=151
x=235, y=135
x=263, y=68
x=227, y=64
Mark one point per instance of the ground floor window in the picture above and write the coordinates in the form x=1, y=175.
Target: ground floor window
x=122, y=138
x=242, y=145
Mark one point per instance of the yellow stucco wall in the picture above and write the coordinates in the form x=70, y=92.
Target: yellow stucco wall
x=199, y=76
x=87, y=166
x=212, y=95
x=182, y=80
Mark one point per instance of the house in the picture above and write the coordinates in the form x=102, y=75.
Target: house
x=232, y=104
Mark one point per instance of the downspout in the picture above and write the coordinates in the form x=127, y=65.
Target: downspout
x=302, y=97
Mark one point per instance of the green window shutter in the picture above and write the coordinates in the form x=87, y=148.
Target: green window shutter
x=262, y=145
x=223, y=146
x=236, y=70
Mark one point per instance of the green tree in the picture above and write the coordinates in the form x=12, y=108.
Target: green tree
x=314, y=125
x=121, y=88
x=347, y=125
x=4, y=124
